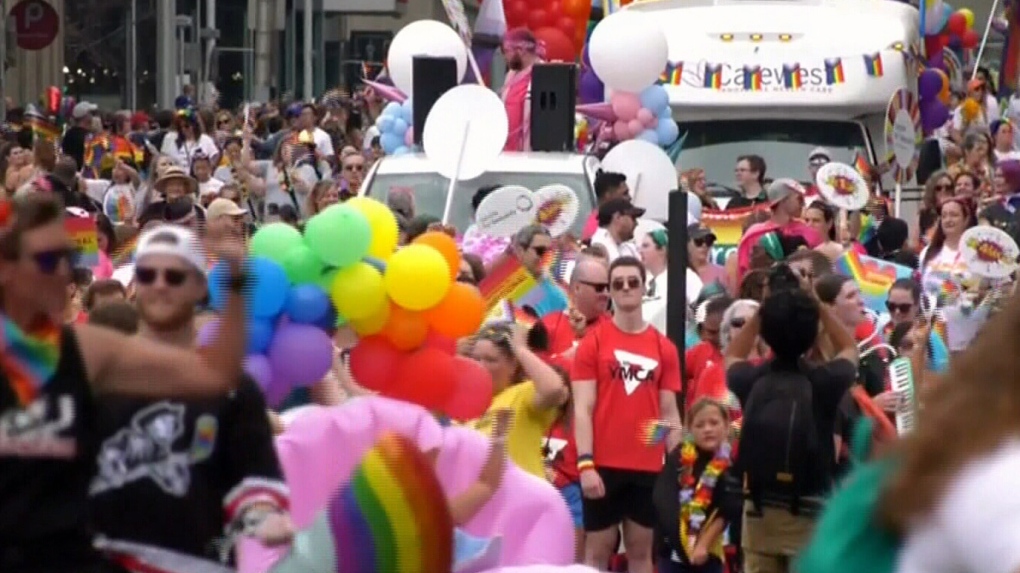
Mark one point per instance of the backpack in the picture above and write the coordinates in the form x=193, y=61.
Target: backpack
x=846, y=537
x=780, y=452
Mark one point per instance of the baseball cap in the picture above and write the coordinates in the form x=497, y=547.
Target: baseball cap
x=81, y=109
x=781, y=189
x=172, y=240
x=699, y=231
x=620, y=205
x=819, y=155
x=222, y=208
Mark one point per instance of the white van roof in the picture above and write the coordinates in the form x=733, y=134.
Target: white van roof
x=508, y=162
x=851, y=56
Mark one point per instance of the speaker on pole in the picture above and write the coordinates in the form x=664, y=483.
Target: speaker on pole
x=430, y=79
x=676, y=284
x=553, y=89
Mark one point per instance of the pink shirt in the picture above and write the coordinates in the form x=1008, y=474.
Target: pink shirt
x=516, y=91
x=590, y=226
x=104, y=269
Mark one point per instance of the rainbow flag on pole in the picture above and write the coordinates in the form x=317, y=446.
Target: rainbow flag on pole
x=752, y=78
x=713, y=76
x=834, y=71
x=873, y=65
x=791, y=76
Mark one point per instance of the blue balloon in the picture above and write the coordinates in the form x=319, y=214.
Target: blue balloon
x=666, y=131
x=264, y=298
x=377, y=263
x=390, y=142
x=407, y=111
x=399, y=127
x=648, y=135
x=328, y=322
x=260, y=335
x=666, y=113
x=655, y=99
x=385, y=123
x=392, y=109
x=306, y=304
x=402, y=150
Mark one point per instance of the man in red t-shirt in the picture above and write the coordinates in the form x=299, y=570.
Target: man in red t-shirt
x=589, y=294
x=708, y=351
x=625, y=375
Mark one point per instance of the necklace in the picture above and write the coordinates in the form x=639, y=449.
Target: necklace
x=696, y=493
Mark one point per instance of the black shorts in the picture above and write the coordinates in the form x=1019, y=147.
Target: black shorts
x=628, y=496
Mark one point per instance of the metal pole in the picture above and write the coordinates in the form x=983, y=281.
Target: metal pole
x=166, y=66
x=308, y=72
x=3, y=59
x=676, y=284
x=984, y=39
x=132, y=59
x=263, y=49
x=210, y=24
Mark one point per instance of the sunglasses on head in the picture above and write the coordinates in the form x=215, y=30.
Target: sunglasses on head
x=903, y=307
x=629, y=283
x=598, y=287
x=49, y=261
x=703, y=242
x=172, y=277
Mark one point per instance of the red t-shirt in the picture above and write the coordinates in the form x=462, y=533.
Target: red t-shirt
x=629, y=371
x=561, y=453
x=698, y=357
x=561, y=334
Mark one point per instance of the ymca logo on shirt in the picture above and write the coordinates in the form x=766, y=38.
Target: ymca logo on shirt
x=553, y=447
x=146, y=449
x=34, y=431
x=632, y=369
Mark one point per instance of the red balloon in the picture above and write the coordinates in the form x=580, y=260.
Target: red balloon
x=536, y=5
x=440, y=342
x=554, y=9
x=472, y=390
x=516, y=13
x=970, y=39
x=566, y=25
x=374, y=363
x=957, y=24
x=539, y=19
x=424, y=377
x=558, y=46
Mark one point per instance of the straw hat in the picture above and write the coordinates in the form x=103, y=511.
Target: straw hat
x=174, y=172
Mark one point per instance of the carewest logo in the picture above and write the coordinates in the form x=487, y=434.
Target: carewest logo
x=724, y=76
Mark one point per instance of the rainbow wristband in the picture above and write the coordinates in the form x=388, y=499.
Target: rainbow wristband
x=585, y=462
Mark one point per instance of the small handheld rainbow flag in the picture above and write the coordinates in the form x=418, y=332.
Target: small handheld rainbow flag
x=752, y=78
x=791, y=76
x=654, y=432
x=392, y=517
x=83, y=231
x=873, y=65
x=834, y=71
x=713, y=76
x=673, y=73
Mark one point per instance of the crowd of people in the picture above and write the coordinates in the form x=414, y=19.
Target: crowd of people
x=123, y=448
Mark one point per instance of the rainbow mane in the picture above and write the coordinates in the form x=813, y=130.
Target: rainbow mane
x=392, y=517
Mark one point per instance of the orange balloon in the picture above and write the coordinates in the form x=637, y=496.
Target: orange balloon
x=576, y=9
x=459, y=314
x=406, y=329
x=446, y=246
x=372, y=324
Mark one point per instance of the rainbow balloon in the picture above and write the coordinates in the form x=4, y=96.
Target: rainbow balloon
x=392, y=517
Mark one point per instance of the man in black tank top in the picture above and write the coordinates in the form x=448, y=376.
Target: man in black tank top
x=49, y=377
x=181, y=461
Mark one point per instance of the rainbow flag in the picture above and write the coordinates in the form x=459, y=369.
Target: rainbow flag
x=672, y=74
x=861, y=163
x=86, y=239
x=101, y=150
x=752, y=78
x=873, y=65
x=728, y=227
x=869, y=228
x=713, y=76
x=791, y=76
x=125, y=252
x=834, y=71
x=43, y=128
x=873, y=277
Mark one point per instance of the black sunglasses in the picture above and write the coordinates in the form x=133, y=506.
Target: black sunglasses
x=703, y=242
x=598, y=287
x=540, y=251
x=48, y=261
x=630, y=283
x=943, y=187
x=172, y=277
x=466, y=278
x=903, y=307
x=738, y=322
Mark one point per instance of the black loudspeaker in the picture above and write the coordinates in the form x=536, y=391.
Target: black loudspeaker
x=431, y=78
x=930, y=160
x=552, y=107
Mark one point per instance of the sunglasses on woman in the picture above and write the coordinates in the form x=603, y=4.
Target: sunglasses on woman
x=903, y=307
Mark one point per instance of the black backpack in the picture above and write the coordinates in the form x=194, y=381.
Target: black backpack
x=780, y=453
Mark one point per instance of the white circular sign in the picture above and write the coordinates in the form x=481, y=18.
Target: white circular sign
x=556, y=208
x=989, y=252
x=842, y=186
x=650, y=173
x=904, y=138
x=505, y=211
x=429, y=38
x=465, y=131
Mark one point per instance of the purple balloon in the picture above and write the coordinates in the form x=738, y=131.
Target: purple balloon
x=591, y=89
x=929, y=85
x=936, y=61
x=585, y=59
x=301, y=354
x=934, y=115
x=257, y=366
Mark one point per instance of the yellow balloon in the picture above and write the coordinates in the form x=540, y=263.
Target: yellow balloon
x=968, y=15
x=417, y=277
x=372, y=324
x=357, y=291
x=383, y=224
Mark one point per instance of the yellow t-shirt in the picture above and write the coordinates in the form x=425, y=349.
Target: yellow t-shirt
x=528, y=428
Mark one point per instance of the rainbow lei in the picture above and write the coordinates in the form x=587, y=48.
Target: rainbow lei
x=696, y=493
x=29, y=359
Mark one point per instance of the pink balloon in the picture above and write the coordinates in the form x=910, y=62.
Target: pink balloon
x=621, y=130
x=647, y=118
x=634, y=127
x=409, y=136
x=625, y=105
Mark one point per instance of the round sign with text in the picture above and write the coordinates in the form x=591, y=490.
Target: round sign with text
x=36, y=24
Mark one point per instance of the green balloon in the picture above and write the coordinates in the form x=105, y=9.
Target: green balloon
x=302, y=266
x=339, y=236
x=326, y=278
x=275, y=241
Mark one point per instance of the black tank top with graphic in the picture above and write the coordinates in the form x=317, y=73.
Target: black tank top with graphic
x=46, y=462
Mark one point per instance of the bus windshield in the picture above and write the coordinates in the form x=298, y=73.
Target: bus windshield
x=784, y=144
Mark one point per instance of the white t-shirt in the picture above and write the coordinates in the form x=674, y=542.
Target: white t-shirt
x=183, y=154
x=991, y=114
x=976, y=526
x=625, y=249
x=323, y=144
x=210, y=187
x=945, y=265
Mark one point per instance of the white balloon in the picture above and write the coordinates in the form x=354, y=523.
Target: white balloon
x=465, y=131
x=628, y=51
x=423, y=38
x=650, y=173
